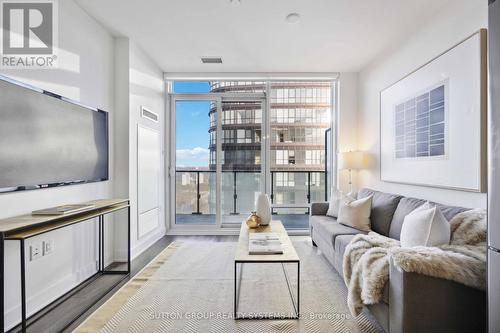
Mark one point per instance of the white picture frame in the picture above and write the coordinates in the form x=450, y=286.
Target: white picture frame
x=433, y=121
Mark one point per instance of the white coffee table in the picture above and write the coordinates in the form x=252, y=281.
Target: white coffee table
x=289, y=256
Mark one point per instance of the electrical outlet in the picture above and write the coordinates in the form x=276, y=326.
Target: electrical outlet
x=48, y=247
x=35, y=251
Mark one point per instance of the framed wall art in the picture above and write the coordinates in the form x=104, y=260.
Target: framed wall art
x=433, y=121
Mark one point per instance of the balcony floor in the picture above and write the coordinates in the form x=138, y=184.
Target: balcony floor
x=290, y=221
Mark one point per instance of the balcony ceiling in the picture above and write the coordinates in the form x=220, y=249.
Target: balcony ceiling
x=332, y=35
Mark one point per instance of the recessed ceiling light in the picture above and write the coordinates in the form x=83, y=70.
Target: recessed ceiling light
x=235, y=3
x=293, y=18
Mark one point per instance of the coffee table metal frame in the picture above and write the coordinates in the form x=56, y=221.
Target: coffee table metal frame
x=237, y=288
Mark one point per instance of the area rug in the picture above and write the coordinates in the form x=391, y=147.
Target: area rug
x=189, y=287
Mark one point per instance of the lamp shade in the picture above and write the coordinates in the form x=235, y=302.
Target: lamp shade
x=352, y=160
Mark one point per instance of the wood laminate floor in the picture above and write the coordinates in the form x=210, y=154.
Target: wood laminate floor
x=61, y=317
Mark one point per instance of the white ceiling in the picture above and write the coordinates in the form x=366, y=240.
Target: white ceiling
x=332, y=35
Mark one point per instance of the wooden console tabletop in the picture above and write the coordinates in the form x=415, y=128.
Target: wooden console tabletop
x=28, y=225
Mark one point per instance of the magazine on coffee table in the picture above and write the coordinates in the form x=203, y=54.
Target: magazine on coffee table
x=264, y=243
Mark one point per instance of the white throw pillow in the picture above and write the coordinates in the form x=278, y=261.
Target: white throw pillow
x=336, y=198
x=353, y=195
x=356, y=213
x=425, y=226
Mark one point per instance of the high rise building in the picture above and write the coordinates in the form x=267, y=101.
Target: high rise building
x=299, y=116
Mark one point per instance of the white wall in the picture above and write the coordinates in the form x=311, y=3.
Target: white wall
x=85, y=74
x=141, y=84
x=460, y=19
x=115, y=75
x=121, y=138
x=347, y=124
x=147, y=88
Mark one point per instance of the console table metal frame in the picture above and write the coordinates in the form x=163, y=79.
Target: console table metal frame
x=58, y=222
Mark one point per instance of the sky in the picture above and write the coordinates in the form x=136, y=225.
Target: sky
x=192, y=123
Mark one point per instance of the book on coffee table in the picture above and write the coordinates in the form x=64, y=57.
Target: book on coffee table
x=264, y=243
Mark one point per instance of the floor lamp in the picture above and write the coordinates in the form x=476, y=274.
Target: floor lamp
x=352, y=160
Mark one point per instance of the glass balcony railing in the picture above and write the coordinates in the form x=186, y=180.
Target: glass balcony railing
x=291, y=194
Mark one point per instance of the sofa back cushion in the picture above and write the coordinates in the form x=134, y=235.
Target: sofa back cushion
x=383, y=207
x=407, y=205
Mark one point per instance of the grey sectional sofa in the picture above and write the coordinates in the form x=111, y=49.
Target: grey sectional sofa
x=412, y=302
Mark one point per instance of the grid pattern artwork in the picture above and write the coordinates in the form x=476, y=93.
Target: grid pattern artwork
x=420, y=125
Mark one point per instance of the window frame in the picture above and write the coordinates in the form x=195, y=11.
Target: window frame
x=265, y=118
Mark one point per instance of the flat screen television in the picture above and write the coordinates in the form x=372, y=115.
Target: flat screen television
x=47, y=140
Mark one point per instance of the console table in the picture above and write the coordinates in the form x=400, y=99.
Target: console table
x=21, y=228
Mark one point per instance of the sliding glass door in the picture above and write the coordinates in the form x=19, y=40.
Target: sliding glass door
x=232, y=140
x=217, y=142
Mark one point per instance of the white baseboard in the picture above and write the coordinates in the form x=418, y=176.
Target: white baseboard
x=147, y=222
x=223, y=232
x=192, y=232
x=141, y=245
x=146, y=241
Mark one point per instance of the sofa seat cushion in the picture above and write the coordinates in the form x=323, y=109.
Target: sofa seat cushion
x=407, y=205
x=329, y=229
x=340, y=246
x=341, y=243
x=383, y=207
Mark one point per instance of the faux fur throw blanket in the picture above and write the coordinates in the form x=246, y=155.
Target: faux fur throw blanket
x=366, y=260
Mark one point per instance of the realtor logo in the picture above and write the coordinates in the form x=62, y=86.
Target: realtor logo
x=29, y=33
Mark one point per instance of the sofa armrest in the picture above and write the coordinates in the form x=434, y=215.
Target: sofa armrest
x=319, y=208
x=420, y=303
